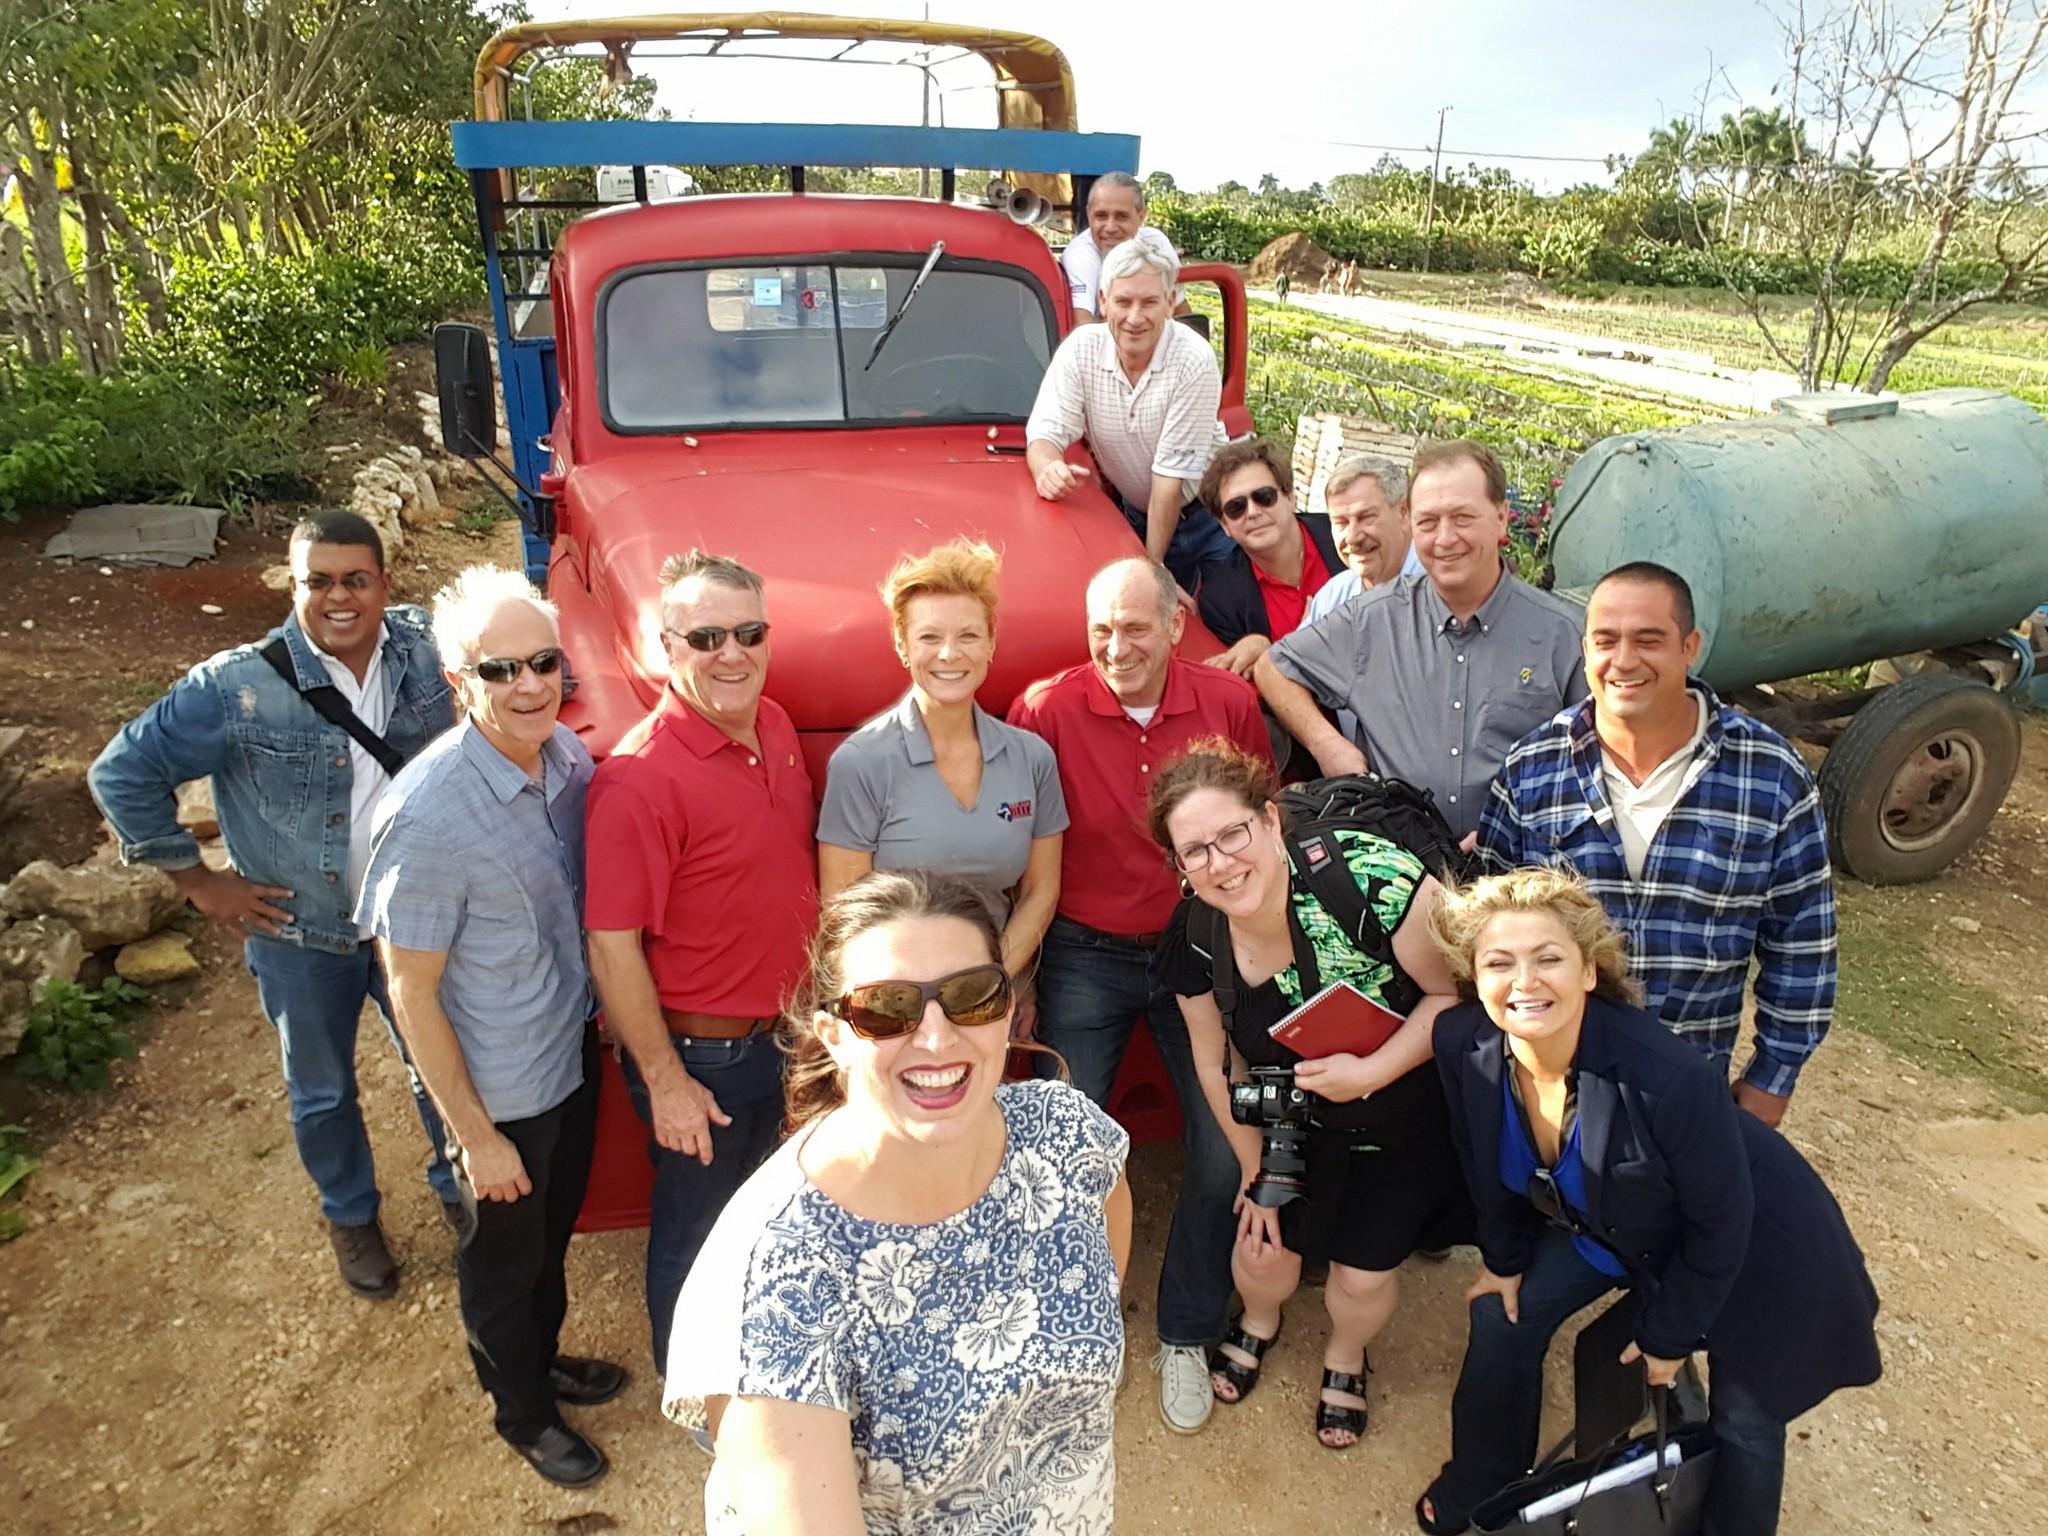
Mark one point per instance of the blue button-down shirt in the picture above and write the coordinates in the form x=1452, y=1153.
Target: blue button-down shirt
x=1739, y=869
x=471, y=858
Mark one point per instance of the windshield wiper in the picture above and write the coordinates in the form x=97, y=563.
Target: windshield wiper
x=931, y=260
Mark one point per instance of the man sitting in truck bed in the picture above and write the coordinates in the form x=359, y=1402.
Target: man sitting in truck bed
x=1116, y=213
x=1144, y=392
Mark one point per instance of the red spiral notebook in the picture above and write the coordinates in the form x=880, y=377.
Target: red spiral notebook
x=1340, y=1018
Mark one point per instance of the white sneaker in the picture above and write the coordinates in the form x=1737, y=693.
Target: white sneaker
x=1185, y=1396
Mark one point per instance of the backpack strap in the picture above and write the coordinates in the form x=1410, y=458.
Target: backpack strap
x=327, y=702
x=1211, y=932
x=1320, y=864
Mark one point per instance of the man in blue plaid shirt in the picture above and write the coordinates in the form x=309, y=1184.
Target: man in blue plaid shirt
x=1697, y=826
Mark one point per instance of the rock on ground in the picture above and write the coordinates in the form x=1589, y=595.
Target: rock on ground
x=107, y=905
x=43, y=949
x=195, y=809
x=155, y=960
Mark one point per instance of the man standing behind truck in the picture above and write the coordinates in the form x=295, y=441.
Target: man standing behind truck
x=1116, y=213
x=300, y=735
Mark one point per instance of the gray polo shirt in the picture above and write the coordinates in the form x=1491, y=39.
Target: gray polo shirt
x=1439, y=703
x=471, y=858
x=884, y=796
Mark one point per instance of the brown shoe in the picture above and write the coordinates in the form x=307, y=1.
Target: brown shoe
x=366, y=1264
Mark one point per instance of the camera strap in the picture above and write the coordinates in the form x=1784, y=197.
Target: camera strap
x=327, y=702
x=1210, y=931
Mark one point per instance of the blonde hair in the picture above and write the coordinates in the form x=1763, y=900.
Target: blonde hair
x=962, y=568
x=1457, y=921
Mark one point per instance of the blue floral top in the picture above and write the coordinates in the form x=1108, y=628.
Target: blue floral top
x=977, y=1357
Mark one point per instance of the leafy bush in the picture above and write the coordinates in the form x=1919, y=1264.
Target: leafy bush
x=1217, y=232
x=1653, y=263
x=15, y=1165
x=144, y=436
x=75, y=1031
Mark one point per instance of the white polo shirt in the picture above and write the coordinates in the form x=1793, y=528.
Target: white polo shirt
x=1082, y=262
x=1165, y=424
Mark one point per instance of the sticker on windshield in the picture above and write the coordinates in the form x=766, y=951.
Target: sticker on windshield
x=768, y=291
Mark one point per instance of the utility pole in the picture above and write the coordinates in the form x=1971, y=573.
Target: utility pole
x=924, y=75
x=1435, y=165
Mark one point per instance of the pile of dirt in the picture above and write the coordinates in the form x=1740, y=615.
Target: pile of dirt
x=1522, y=289
x=1304, y=262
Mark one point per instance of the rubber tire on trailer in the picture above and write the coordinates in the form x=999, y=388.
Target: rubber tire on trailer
x=1926, y=724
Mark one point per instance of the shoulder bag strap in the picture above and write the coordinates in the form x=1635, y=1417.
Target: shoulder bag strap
x=329, y=705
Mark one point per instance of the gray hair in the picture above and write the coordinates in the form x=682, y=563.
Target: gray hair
x=1390, y=477
x=1120, y=570
x=697, y=564
x=463, y=609
x=1119, y=179
x=1135, y=256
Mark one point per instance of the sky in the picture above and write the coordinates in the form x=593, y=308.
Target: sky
x=1215, y=94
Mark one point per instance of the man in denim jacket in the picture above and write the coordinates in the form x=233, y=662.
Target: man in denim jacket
x=294, y=794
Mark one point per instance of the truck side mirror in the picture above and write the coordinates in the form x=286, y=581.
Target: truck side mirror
x=462, y=377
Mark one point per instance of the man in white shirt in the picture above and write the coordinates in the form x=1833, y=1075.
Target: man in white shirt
x=1144, y=392
x=1116, y=213
x=1366, y=498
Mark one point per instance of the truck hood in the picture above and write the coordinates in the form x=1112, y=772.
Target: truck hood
x=823, y=538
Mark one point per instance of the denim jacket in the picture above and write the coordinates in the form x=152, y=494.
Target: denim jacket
x=281, y=775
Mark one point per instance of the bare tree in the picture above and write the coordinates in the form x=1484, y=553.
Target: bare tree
x=1932, y=86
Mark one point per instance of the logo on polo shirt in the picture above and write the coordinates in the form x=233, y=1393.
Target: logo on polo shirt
x=1527, y=673
x=1014, y=810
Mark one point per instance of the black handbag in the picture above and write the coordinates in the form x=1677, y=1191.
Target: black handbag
x=1668, y=1501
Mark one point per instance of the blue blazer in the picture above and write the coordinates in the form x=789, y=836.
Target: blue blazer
x=1733, y=1241
x=1229, y=598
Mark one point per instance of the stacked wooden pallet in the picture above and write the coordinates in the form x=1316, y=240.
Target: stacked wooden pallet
x=1324, y=440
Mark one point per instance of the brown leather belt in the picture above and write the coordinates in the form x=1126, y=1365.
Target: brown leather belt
x=712, y=1026
x=1148, y=940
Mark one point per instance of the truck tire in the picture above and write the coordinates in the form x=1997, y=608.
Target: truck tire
x=1917, y=776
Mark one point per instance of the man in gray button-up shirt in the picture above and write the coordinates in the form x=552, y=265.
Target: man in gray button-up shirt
x=475, y=893
x=1445, y=671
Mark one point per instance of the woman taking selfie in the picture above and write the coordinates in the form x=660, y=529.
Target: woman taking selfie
x=1604, y=1151
x=1382, y=1179
x=908, y=1319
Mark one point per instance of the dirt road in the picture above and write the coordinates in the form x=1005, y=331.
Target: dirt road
x=177, y=1356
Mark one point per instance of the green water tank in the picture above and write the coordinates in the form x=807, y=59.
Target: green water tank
x=1836, y=530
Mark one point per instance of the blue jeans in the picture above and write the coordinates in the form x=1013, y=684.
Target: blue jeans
x=745, y=1076
x=1091, y=988
x=1198, y=540
x=315, y=1000
x=1497, y=1409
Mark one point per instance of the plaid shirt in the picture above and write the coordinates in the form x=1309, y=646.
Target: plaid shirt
x=1739, y=868
x=1165, y=424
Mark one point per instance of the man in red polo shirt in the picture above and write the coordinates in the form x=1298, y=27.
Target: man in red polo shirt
x=1261, y=593
x=704, y=894
x=1113, y=724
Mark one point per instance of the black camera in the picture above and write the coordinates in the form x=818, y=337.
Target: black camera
x=1269, y=1100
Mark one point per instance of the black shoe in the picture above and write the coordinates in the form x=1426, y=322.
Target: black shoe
x=563, y=1457
x=366, y=1264
x=586, y=1382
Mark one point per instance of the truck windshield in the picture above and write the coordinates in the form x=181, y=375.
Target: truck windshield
x=783, y=344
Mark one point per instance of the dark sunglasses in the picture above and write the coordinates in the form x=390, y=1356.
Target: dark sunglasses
x=1265, y=496
x=710, y=637
x=1550, y=1203
x=886, y=1010
x=503, y=669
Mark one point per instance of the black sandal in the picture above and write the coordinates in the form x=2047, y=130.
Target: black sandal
x=1241, y=1377
x=1330, y=1416
x=1436, y=1523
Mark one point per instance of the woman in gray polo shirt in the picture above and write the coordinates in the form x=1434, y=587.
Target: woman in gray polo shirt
x=938, y=784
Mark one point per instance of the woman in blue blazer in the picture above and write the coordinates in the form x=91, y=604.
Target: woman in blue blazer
x=1603, y=1151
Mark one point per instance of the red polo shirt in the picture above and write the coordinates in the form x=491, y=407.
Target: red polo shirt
x=708, y=849
x=1284, y=604
x=1113, y=877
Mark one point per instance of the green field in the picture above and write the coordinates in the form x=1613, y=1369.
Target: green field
x=1303, y=362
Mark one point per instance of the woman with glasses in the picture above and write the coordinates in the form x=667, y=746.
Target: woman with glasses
x=938, y=784
x=1604, y=1151
x=1382, y=1179
x=908, y=1319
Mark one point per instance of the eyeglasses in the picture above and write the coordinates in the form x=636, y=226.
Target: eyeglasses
x=1230, y=840
x=355, y=581
x=710, y=637
x=1265, y=496
x=503, y=669
x=887, y=1010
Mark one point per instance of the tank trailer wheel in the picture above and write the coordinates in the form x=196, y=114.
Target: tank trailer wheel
x=1917, y=776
